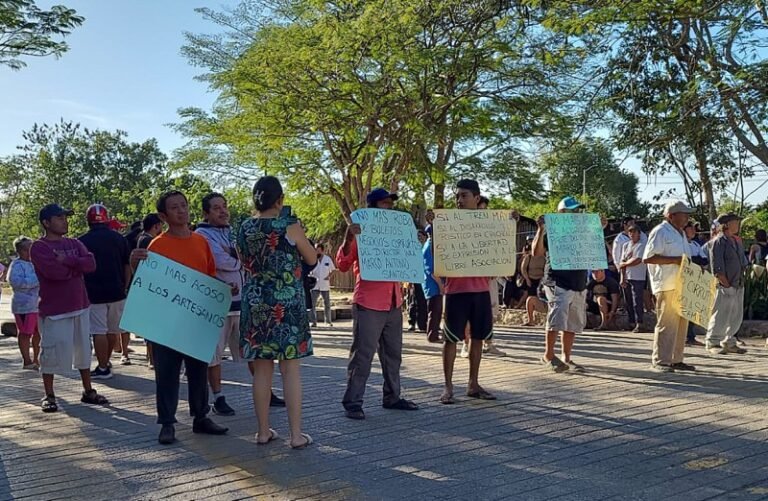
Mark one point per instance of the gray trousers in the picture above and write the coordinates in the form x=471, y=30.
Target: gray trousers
x=374, y=332
x=326, y=303
x=727, y=315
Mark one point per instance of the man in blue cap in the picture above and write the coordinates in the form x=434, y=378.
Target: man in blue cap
x=377, y=324
x=566, y=292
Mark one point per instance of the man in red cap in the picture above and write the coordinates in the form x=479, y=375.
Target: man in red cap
x=106, y=288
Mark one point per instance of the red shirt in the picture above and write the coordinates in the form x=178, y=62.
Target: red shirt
x=458, y=285
x=62, y=287
x=376, y=296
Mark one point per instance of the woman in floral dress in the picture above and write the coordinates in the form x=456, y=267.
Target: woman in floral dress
x=273, y=321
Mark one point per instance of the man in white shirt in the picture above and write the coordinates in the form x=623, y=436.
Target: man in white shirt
x=633, y=275
x=624, y=237
x=322, y=274
x=663, y=254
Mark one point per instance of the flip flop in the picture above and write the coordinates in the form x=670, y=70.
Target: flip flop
x=481, y=395
x=305, y=444
x=447, y=399
x=272, y=436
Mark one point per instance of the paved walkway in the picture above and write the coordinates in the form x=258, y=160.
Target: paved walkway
x=617, y=432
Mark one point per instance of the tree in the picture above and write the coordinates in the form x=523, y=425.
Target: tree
x=338, y=96
x=611, y=190
x=76, y=167
x=27, y=30
x=692, y=70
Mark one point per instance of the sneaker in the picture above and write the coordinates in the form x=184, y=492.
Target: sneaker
x=733, y=348
x=716, y=350
x=30, y=367
x=491, y=349
x=464, y=350
x=638, y=328
x=555, y=365
x=313, y=324
x=662, y=368
x=329, y=324
x=411, y=328
x=573, y=366
x=694, y=342
x=680, y=366
x=125, y=360
x=221, y=408
x=167, y=434
x=99, y=373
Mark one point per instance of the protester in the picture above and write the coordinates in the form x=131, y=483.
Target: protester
x=566, y=292
x=633, y=277
x=434, y=290
x=274, y=325
x=60, y=263
x=106, y=288
x=623, y=237
x=694, y=244
x=133, y=234
x=417, y=302
x=216, y=230
x=467, y=305
x=322, y=273
x=758, y=252
x=377, y=324
x=493, y=287
x=728, y=261
x=531, y=270
x=178, y=243
x=430, y=218
x=151, y=226
x=26, y=290
x=603, y=294
x=663, y=254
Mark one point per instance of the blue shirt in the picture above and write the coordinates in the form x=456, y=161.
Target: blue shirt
x=431, y=289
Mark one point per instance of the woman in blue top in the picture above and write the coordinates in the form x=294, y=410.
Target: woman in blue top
x=273, y=321
x=26, y=295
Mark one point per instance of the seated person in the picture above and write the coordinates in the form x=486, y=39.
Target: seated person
x=537, y=302
x=603, y=298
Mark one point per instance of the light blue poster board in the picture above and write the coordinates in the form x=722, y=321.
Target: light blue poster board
x=576, y=242
x=177, y=307
x=388, y=246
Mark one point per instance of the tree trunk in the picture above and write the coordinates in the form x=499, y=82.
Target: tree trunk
x=706, y=183
x=439, y=200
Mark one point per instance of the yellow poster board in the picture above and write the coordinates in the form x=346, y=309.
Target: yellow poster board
x=474, y=243
x=696, y=291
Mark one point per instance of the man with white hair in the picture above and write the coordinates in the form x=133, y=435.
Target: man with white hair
x=663, y=254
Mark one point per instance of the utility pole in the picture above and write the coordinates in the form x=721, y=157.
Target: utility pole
x=584, y=183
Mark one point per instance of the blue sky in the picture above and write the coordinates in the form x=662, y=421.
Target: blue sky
x=124, y=71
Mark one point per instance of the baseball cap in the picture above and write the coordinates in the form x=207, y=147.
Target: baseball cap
x=53, y=210
x=97, y=214
x=468, y=184
x=569, y=203
x=727, y=218
x=379, y=194
x=675, y=207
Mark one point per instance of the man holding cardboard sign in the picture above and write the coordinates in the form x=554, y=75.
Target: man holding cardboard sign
x=663, y=254
x=377, y=320
x=190, y=249
x=571, y=243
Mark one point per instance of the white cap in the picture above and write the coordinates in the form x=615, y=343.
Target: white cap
x=676, y=206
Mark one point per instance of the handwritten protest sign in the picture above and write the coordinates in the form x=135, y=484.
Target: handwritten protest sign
x=388, y=246
x=576, y=242
x=177, y=307
x=474, y=243
x=696, y=291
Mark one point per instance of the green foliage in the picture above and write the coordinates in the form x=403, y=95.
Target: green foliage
x=27, y=30
x=612, y=191
x=755, y=295
x=76, y=167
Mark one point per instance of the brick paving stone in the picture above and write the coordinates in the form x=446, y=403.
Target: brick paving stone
x=618, y=431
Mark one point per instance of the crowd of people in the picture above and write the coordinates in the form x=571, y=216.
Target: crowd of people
x=69, y=296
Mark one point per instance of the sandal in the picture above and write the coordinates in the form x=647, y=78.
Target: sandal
x=305, y=444
x=481, y=394
x=93, y=398
x=49, y=404
x=447, y=399
x=272, y=436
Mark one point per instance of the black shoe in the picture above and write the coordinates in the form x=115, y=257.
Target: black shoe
x=680, y=366
x=357, y=414
x=167, y=434
x=402, y=405
x=411, y=328
x=221, y=408
x=208, y=427
x=275, y=401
